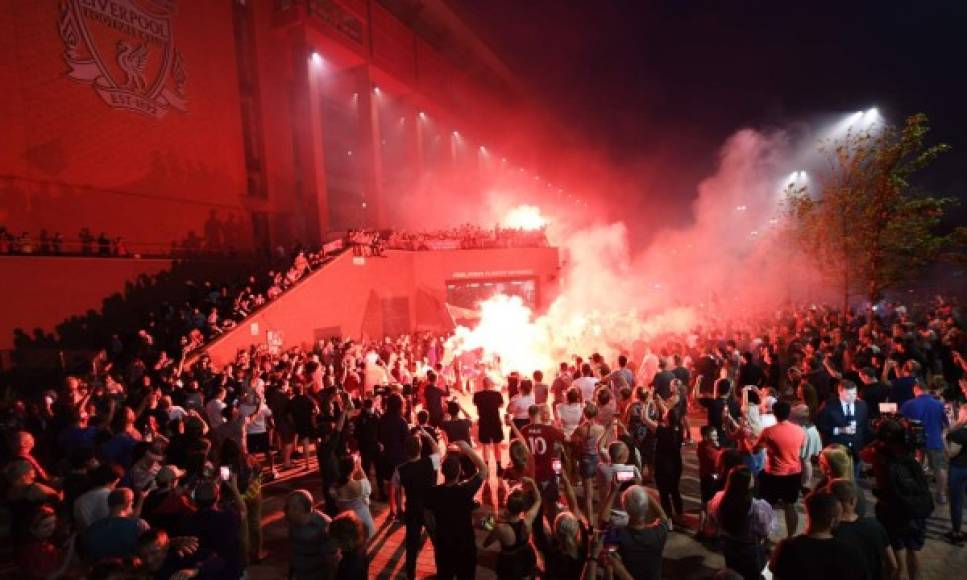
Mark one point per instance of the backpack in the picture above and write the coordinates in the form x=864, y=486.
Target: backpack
x=909, y=487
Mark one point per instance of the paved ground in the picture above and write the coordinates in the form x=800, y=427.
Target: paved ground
x=684, y=556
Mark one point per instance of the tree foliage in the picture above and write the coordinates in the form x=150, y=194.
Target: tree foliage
x=865, y=224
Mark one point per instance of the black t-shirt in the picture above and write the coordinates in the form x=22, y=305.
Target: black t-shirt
x=302, y=410
x=392, y=431
x=488, y=405
x=662, y=383
x=417, y=477
x=805, y=558
x=641, y=549
x=560, y=565
x=874, y=394
x=452, y=508
x=750, y=374
x=708, y=368
x=869, y=536
x=456, y=430
x=367, y=432
x=960, y=438
x=434, y=405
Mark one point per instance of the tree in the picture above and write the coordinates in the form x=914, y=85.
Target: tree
x=866, y=226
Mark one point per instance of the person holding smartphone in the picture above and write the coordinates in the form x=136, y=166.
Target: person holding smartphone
x=639, y=544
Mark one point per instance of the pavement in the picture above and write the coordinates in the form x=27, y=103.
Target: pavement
x=684, y=556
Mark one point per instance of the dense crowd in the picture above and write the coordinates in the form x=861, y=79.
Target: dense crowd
x=467, y=236
x=47, y=244
x=151, y=467
x=211, y=308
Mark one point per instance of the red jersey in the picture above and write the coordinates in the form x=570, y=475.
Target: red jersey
x=541, y=439
x=708, y=456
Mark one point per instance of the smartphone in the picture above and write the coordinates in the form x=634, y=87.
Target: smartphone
x=625, y=473
x=225, y=472
x=556, y=466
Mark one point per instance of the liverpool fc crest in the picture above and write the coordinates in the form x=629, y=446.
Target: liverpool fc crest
x=125, y=50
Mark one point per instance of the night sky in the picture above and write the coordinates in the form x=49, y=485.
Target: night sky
x=663, y=84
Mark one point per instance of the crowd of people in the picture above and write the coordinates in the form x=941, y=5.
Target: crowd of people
x=212, y=308
x=149, y=467
x=47, y=244
x=467, y=236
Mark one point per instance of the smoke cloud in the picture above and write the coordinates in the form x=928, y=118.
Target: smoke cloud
x=729, y=263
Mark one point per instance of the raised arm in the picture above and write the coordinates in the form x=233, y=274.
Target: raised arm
x=519, y=435
x=571, y=498
x=604, y=512
x=434, y=447
x=535, y=508
x=478, y=461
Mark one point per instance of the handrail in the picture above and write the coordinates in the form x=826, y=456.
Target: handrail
x=197, y=352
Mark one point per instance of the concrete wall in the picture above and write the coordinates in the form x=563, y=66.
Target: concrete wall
x=401, y=292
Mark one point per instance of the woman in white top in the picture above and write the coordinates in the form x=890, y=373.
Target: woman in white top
x=520, y=404
x=569, y=414
x=352, y=492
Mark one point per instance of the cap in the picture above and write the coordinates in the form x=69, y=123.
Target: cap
x=169, y=473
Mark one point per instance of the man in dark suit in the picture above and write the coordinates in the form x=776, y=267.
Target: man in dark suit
x=845, y=420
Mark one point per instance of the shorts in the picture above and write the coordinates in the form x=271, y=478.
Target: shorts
x=780, y=488
x=589, y=464
x=909, y=536
x=490, y=435
x=257, y=442
x=935, y=458
x=385, y=467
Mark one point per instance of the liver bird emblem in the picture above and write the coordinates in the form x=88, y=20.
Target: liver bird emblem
x=133, y=61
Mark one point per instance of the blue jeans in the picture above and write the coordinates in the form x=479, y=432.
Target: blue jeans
x=956, y=482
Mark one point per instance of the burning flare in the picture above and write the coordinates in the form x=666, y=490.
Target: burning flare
x=524, y=217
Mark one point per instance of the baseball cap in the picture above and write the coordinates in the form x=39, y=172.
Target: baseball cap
x=169, y=473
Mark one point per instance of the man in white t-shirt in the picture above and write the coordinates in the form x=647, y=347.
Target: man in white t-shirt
x=215, y=407
x=257, y=427
x=586, y=384
x=92, y=504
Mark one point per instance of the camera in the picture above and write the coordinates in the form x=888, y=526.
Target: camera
x=897, y=429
